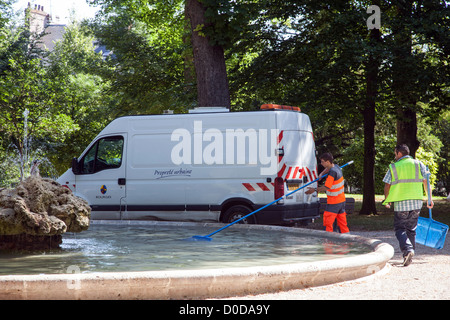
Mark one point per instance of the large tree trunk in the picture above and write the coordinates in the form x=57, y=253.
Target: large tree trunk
x=407, y=129
x=209, y=61
x=403, y=79
x=373, y=64
x=368, y=205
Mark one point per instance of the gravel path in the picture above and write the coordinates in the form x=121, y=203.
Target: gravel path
x=427, y=277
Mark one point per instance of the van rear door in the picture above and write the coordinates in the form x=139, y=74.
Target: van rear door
x=102, y=176
x=298, y=164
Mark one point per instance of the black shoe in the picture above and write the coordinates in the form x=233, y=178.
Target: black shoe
x=407, y=259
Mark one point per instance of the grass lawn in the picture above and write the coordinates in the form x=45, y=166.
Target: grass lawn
x=384, y=219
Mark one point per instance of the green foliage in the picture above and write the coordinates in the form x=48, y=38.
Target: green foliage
x=384, y=145
x=430, y=150
x=151, y=45
x=26, y=87
x=441, y=129
x=428, y=159
x=75, y=52
x=385, y=142
x=315, y=55
x=312, y=54
x=80, y=94
x=59, y=98
x=147, y=68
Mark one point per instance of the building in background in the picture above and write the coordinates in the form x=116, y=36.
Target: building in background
x=42, y=23
x=49, y=30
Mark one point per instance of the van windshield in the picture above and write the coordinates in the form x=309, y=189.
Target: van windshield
x=106, y=153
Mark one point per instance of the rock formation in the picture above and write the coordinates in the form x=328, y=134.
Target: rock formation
x=36, y=213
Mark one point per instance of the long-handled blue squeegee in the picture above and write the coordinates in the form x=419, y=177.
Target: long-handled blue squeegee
x=208, y=236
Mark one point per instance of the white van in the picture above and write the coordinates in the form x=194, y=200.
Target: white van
x=208, y=165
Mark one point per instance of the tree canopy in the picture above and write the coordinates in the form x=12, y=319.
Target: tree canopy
x=364, y=89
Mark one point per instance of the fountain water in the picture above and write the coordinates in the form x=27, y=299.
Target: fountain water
x=144, y=247
x=248, y=259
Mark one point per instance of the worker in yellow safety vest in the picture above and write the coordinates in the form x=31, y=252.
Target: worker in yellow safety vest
x=405, y=182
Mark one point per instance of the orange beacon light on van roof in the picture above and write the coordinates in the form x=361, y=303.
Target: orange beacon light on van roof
x=279, y=107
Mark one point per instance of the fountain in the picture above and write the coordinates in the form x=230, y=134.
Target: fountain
x=149, y=260
x=118, y=263
x=247, y=259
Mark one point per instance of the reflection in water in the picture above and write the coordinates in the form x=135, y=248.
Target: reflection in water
x=105, y=248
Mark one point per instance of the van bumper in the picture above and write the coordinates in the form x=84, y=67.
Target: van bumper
x=287, y=214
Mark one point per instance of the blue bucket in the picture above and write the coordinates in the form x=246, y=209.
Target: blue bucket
x=431, y=233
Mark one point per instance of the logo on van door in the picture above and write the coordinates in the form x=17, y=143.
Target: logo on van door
x=230, y=147
x=103, y=190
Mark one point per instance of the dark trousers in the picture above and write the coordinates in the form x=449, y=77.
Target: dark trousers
x=405, y=224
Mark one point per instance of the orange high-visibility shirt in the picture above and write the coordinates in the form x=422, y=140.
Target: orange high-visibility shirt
x=335, y=184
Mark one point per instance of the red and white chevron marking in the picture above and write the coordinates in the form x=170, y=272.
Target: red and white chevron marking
x=260, y=186
x=286, y=172
x=292, y=172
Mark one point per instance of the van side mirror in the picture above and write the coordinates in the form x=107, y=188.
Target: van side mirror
x=75, y=166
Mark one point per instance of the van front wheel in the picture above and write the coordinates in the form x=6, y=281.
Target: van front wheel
x=236, y=212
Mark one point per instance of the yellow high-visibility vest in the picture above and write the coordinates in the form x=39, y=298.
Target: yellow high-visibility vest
x=407, y=181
